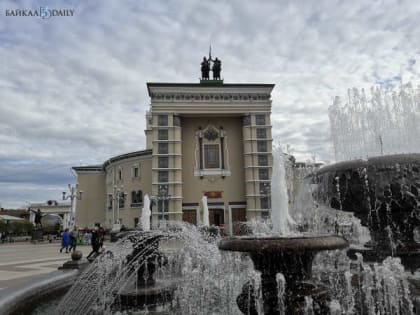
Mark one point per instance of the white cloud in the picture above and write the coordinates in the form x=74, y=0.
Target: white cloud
x=74, y=88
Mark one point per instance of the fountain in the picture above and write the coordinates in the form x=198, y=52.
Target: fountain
x=381, y=191
x=281, y=272
x=145, y=214
x=286, y=254
x=205, y=211
x=385, y=123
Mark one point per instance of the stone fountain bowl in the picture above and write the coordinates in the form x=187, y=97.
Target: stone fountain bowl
x=290, y=256
x=384, y=193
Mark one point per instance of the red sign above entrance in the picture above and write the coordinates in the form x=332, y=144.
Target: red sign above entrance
x=213, y=194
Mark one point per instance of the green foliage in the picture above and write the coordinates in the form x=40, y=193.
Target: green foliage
x=16, y=228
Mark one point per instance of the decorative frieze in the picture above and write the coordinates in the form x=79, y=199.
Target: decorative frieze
x=209, y=97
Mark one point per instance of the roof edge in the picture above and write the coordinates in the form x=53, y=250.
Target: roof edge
x=167, y=84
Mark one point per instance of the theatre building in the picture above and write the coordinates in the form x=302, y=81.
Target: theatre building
x=203, y=139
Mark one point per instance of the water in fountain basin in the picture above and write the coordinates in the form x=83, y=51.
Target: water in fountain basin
x=208, y=281
x=205, y=280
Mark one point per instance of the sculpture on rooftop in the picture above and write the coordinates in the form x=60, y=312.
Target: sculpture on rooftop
x=205, y=69
x=217, y=68
x=209, y=64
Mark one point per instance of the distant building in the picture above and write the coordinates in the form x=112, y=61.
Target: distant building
x=209, y=138
x=19, y=213
x=52, y=207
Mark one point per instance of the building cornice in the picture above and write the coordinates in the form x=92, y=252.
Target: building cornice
x=101, y=168
x=127, y=156
x=154, y=87
x=190, y=93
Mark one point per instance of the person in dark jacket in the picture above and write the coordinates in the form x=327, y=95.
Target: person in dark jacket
x=65, y=241
x=95, y=242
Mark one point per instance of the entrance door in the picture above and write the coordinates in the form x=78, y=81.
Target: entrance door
x=216, y=217
x=189, y=216
x=238, y=216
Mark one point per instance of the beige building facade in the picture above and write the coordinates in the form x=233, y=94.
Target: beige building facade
x=207, y=139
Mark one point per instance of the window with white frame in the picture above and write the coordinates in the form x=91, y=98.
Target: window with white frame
x=163, y=148
x=136, y=198
x=211, y=155
x=135, y=171
x=262, y=146
x=262, y=160
x=263, y=173
x=162, y=120
x=163, y=162
x=261, y=133
x=163, y=134
x=260, y=120
x=163, y=176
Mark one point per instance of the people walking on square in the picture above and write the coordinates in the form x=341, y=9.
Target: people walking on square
x=95, y=243
x=74, y=234
x=87, y=237
x=65, y=241
x=101, y=235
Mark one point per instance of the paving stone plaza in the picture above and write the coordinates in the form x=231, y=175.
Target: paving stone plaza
x=23, y=261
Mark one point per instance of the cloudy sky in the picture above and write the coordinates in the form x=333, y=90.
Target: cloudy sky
x=73, y=89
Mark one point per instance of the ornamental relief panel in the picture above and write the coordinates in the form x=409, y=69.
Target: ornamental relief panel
x=210, y=97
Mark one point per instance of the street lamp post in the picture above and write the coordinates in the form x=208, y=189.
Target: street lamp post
x=74, y=193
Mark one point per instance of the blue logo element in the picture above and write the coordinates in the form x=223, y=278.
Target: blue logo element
x=44, y=12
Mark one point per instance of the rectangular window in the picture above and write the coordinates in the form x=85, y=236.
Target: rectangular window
x=163, y=148
x=163, y=162
x=260, y=120
x=265, y=189
x=136, y=198
x=262, y=146
x=211, y=156
x=246, y=120
x=163, y=134
x=261, y=133
x=162, y=120
x=163, y=176
x=120, y=174
x=263, y=173
x=135, y=171
x=264, y=203
x=262, y=160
